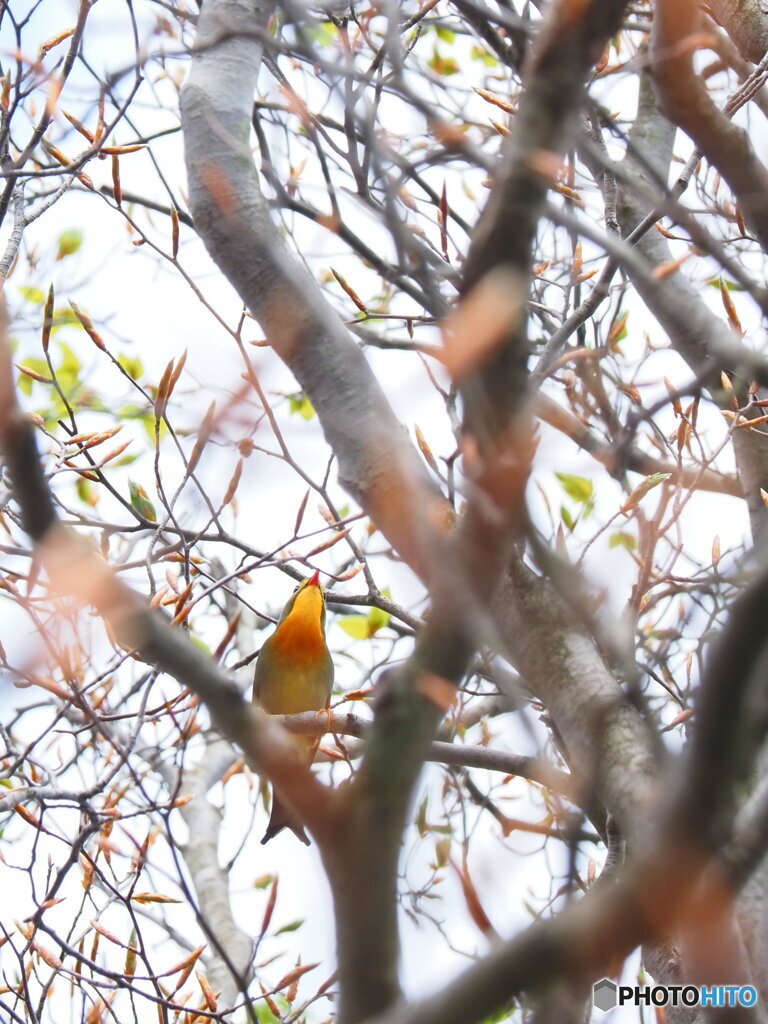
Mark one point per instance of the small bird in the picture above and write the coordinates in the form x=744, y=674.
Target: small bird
x=294, y=672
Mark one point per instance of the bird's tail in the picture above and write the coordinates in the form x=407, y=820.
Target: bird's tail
x=280, y=818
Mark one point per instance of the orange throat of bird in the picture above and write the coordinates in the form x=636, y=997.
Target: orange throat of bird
x=301, y=633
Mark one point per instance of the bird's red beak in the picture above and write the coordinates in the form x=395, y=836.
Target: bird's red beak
x=314, y=579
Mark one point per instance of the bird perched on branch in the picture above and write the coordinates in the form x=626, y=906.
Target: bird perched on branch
x=294, y=673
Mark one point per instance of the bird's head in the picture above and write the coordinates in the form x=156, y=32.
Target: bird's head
x=307, y=600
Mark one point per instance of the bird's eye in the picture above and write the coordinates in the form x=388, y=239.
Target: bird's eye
x=296, y=589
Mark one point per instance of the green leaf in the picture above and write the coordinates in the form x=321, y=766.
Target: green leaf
x=446, y=34
x=420, y=820
x=480, y=53
x=145, y=416
x=567, y=518
x=733, y=286
x=442, y=65
x=69, y=242
x=622, y=540
x=62, y=318
x=576, y=487
x=263, y=1013
x=68, y=370
x=363, y=627
x=151, y=425
x=656, y=478
x=132, y=365
x=131, y=412
x=141, y=502
x=301, y=404
x=501, y=1016
x=86, y=492
x=263, y=881
x=292, y=927
x=69, y=361
x=356, y=625
x=39, y=366
x=377, y=617
x=323, y=34
x=32, y=295
x=642, y=489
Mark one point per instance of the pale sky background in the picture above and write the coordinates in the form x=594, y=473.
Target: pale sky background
x=146, y=310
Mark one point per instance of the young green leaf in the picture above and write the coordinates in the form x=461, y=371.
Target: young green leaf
x=355, y=625
x=291, y=927
x=141, y=502
x=576, y=487
x=132, y=365
x=69, y=242
x=621, y=539
x=301, y=404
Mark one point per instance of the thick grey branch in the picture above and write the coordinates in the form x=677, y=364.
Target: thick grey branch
x=534, y=768
x=604, y=737
x=690, y=325
x=377, y=463
x=686, y=101
x=230, y=946
x=746, y=22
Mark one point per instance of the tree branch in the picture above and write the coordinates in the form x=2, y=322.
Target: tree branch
x=377, y=463
x=685, y=101
x=74, y=568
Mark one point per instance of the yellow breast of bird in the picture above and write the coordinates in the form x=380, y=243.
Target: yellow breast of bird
x=294, y=672
x=300, y=636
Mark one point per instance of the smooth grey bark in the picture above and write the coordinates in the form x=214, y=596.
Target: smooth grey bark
x=376, y=462
x=575, y=656
x=748, y=854
x=685, y=100
x=573, y=679
x=653, y=136
x=603, y=733
x=606, y=741
x=570, y=41
x=377, y=465
x=230, y=949
x=677, y=873
x=687, y=321
x=728, y=148
x=746, y=22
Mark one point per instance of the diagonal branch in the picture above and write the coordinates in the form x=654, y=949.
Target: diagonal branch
x=230, y=214
x=377, y=463
x=74, y=568
x=691, y=326
x=683, y=873
x=685, y=101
